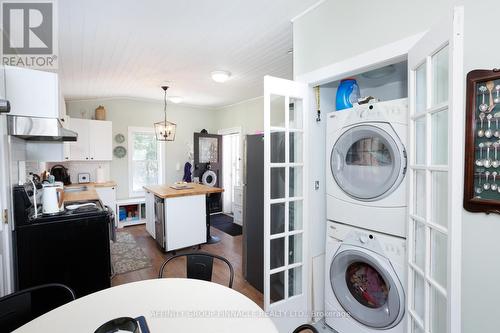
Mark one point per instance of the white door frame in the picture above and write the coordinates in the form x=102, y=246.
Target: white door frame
x=385, y=55
x=6, y=253
x=229, y=131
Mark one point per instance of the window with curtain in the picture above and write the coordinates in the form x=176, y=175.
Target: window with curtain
x=145, y=167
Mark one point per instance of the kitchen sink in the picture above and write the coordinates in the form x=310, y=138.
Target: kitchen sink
x=76, y=189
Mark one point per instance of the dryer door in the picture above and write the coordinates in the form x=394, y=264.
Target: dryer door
x=367, y=287
x=368, y=162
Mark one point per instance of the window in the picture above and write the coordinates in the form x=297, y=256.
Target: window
x=144, y=159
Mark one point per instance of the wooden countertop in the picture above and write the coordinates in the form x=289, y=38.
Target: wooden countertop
x=109, y=183
x=89, y=194
x=165, y=191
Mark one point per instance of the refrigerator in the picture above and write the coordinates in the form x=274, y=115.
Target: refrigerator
x=253, y=211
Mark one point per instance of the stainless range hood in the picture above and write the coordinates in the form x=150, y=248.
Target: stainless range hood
x=39, y=129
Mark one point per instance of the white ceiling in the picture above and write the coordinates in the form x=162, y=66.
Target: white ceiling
x=130, y=47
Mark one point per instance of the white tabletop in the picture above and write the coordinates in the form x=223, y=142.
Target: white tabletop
x=169, y=305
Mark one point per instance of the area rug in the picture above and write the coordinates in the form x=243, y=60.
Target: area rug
x=225, y=224
x=126, y=255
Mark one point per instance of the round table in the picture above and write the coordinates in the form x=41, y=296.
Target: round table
x=169, y=305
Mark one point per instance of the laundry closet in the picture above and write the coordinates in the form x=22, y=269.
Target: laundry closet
x=363, y=191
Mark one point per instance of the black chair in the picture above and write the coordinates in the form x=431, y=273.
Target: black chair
x=199, y=265
x=306, y=328
x=18, y=308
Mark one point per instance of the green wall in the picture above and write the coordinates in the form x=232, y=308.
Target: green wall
x=125, y=112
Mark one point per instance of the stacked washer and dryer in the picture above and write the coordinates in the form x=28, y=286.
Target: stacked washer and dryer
x=365, y=270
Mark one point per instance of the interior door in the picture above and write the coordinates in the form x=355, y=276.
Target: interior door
x=436, y=112
x=208, y=158
x=286, y=260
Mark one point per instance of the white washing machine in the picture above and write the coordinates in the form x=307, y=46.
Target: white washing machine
x=364, y=276
x=366, y=166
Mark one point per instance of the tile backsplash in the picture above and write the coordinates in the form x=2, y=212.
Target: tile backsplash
x=74, y=168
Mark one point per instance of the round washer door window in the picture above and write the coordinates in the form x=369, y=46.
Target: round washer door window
x=367, y=163
x=367, y=288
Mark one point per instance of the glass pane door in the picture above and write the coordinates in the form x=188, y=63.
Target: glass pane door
x=285, y=237
x=432, y=193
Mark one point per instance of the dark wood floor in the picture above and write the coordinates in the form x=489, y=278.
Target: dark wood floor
x=229, y=247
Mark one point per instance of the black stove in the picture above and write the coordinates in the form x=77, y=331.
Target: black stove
x=62, y=247
x=24, y=210
x=87, y=210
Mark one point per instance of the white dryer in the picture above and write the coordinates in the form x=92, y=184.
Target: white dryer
x=366, y=166
x=364, y=277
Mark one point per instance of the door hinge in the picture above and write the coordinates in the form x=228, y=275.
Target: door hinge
x=5, y=216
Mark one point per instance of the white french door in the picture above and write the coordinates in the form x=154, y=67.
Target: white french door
x=435, y=175
x=285, y=205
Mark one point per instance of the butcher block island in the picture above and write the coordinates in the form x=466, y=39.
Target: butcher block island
x=178, y=218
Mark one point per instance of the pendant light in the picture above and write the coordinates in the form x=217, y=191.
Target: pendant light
x=165, y=130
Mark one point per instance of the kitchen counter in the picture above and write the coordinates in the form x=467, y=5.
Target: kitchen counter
x=166, y=192
x=89, y=194
x=109, y=183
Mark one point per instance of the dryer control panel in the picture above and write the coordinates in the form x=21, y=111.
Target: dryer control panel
x=395, y=112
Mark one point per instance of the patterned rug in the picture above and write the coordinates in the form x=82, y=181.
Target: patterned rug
x=126, y=255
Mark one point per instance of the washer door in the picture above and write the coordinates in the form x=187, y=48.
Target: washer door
x=367, y=287
x=209, y=178
x=368, y=162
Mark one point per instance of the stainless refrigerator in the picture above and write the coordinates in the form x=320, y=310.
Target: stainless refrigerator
x=253, y=216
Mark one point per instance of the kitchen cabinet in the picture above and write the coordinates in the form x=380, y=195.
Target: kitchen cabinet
x=150, y=213
x=94, y=140
x=41, y=87
x=108, y=198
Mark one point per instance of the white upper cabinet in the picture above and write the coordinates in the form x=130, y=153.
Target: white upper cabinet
x=42, y=89
x=94, y=141
x=100, y=140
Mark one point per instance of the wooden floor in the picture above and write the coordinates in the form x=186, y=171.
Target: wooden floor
x=229, y=247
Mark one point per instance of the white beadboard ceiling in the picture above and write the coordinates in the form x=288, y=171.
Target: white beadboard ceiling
x=119, y=48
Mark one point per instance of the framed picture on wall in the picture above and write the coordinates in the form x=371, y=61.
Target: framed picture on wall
x=482, y=142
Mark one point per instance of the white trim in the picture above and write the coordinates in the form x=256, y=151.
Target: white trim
x=161, y=159
x=384, y=55
x=311, y=8
x=457, y=133
x=6, y=250
x=231, y=130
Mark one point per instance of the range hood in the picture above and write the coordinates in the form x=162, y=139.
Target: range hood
x=39, y=129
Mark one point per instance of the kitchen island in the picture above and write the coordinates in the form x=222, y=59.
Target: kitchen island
x=179, y=218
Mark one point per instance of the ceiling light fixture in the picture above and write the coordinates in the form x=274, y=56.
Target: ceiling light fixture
x=176, y=99
x=165, y=130
x=220, y=76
